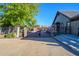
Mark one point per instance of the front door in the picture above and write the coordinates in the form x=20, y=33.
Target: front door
x=58, y=27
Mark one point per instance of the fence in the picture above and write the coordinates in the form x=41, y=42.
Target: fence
x=6, y=30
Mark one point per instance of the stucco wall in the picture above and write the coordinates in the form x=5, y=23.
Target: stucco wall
x=74, y=27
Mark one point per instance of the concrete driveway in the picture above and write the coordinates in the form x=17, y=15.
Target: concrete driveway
x=30, y=47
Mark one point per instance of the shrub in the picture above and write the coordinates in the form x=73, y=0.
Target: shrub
x=13, y=35
x=10, y=35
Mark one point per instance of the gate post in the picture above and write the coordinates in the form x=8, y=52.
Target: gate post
x=18, y=32
x=25, y=32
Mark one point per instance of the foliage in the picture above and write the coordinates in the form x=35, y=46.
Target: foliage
x=16, y=14
x=10, y=35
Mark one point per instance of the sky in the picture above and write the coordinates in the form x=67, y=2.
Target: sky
x=48, y=11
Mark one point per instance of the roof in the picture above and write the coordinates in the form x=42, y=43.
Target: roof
x=69, y=13
x=72, y=15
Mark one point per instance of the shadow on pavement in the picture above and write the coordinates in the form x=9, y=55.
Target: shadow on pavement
x=53, y=41
x=36, y=37
x=38, y=34
x=41, y=39
x=68, y=48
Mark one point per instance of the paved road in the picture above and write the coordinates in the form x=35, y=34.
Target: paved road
x=32, y=47
x=45, y=34
x=36, y=34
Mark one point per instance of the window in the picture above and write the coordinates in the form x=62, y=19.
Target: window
x=68, y=28
x=68, y=24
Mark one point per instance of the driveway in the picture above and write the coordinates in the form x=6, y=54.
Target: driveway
x=30, y=47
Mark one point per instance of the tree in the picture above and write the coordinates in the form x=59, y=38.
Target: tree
x=19, y=14
x=16, y=14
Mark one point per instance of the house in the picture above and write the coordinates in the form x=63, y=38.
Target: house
x=67, y=22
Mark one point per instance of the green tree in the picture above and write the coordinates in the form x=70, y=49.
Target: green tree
x=19, y=14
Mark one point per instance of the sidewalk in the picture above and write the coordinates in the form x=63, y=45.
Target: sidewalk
x=69, y=40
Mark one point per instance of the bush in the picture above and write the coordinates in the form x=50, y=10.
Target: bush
x=10, y=35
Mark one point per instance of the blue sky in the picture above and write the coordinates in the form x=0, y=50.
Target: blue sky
x=48, y=11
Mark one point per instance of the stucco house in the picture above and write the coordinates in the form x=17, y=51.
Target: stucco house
x=67, y=22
